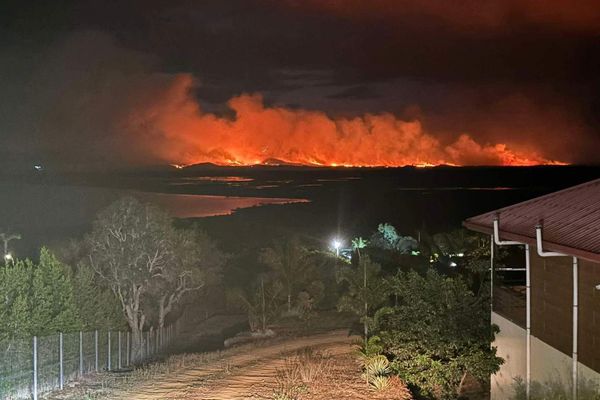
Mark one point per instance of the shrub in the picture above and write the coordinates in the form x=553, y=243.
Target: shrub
x=437, y=333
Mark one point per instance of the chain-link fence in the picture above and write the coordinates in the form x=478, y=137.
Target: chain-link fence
x=29, y=368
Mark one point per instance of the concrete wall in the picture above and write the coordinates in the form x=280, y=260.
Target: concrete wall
x=547, y=363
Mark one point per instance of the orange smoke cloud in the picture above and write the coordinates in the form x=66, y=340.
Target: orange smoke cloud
x=176, y=130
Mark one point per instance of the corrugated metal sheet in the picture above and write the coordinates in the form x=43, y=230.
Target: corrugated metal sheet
x=571, y=220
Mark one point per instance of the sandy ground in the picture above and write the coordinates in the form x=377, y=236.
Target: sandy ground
x=250, y=373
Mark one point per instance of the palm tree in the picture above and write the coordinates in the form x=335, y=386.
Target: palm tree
x=290, y=263
x=357, y=244
x=364, y=289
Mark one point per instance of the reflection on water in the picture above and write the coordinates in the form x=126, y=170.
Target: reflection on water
x=452, y=188
x=201, y=180
x=46, y=213
x=218, y=178
x=195, y=206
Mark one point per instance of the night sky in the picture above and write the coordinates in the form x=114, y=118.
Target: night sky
x=324, y=82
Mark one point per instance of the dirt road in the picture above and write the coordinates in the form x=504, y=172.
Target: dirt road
x=241, y=374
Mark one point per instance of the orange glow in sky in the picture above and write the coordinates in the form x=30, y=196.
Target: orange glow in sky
x=182, y=134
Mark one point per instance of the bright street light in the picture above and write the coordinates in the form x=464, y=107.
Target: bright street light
x=337, y=244
x=8, y=257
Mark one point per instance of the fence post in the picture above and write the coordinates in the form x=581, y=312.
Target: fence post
x=35, y=388
x=96, y=349
x=147, y=343
x=80, y=353
x=128, y=349
x=108, y=354
x=119, y=340
x=156, y=341
x=60, y=361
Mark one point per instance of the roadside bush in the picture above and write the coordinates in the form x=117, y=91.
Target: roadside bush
x=38, y=298
x=437, y=334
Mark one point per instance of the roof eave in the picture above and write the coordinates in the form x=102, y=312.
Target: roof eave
x=549, y=246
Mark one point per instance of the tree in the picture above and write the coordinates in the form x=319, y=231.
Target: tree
x=365, y=290
x=260, y=300
x=196, y=262
x=290, y=263
x=97, y=305
x=130, y=248
x=15, y=309
x=387, y=238
x=37, y=298
x=358, y=244
x=52, y=300
x=437, y=334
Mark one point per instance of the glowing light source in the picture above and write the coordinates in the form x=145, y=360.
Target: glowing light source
x=337, y=244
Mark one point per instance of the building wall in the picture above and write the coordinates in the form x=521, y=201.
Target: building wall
x=589, y=314
x=547, y=363
x=552, y=300
x=552, y=306
x=551, y=327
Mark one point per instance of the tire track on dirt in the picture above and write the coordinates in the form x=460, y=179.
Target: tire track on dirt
x=233, y=376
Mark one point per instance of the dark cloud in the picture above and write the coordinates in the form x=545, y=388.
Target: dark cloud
x=361, y=92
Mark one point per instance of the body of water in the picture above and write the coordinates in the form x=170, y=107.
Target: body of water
x=51, y=213
x=263, y=203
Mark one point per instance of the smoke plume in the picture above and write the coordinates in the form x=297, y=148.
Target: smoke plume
x=182, y=133
x=91, y=102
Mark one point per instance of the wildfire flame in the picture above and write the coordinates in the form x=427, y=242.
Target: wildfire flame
x=182, y=133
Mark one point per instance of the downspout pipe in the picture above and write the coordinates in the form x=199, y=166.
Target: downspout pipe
x=497, y=235
x=540, y=246
x=542, y=253
x=499, y=242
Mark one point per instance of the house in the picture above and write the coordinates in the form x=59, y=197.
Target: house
x=550, y=318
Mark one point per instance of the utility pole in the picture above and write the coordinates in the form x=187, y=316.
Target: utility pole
x=6, y=238
x=264, y=317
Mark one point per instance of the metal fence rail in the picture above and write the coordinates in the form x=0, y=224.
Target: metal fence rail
x=29, y=368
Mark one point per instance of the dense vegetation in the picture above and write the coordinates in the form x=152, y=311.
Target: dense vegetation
x=134, y=270
x=423, y=303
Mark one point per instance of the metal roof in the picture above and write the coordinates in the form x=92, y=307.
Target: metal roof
x=570, y=219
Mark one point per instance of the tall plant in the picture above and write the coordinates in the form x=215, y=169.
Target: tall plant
x=290, y=263
x=130, y=248
x=37, y=298
x=438, y=333
x=364, y=290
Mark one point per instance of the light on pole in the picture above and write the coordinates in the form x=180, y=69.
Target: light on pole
x=337, y=244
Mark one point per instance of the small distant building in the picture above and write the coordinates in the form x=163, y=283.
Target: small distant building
x=549, y=317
